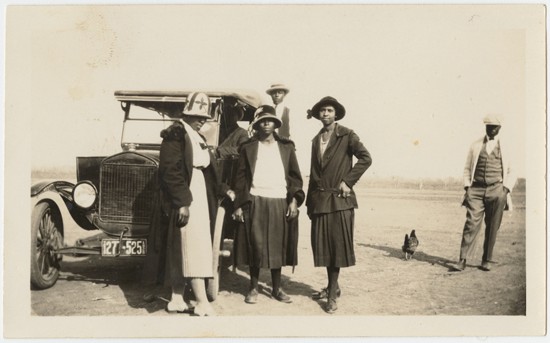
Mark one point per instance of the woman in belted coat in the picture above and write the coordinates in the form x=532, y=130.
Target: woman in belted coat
x=330, y=199
x=268, y=187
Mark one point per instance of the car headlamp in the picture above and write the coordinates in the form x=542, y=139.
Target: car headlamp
x=84, y=194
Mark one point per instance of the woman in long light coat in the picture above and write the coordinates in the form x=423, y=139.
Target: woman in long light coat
x=188, y=184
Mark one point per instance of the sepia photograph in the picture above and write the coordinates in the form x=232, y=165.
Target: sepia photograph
x=313, y=170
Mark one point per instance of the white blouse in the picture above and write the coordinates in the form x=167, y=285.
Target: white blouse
x=269, y=179
x=201, y=157
x=322, y=146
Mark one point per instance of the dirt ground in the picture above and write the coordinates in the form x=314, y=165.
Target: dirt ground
x=382, y=282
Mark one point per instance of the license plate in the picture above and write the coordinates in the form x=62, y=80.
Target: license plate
x=130, y=247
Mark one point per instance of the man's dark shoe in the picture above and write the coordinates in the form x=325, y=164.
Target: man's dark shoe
x=251, y=297
x=460, y=266
x=331, y=306
x=485, y=266
x=281, y=296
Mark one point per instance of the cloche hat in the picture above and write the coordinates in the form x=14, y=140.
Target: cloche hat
x=265, y=112
x=328, y=100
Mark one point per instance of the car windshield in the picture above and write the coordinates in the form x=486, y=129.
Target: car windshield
x=145, y=121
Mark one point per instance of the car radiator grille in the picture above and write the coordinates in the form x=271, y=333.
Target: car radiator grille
x=127, y=192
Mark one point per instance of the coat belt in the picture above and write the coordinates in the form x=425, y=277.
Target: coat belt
x=331, y=190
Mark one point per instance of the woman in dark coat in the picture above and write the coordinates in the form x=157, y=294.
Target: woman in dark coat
x=227, y=154
x=268, y=188
x=330, y=199
x=189, y=188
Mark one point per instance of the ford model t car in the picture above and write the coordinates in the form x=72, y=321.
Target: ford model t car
x=115, y=194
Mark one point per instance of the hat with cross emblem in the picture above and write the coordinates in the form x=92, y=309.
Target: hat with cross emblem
x=198, y=105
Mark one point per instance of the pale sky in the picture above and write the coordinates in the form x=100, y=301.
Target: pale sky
x=416, y=81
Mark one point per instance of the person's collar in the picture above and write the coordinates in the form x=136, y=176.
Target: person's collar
x=187, y=126
x=281, y=104
x=323, y=129
x=190, y=131
x=487, y=139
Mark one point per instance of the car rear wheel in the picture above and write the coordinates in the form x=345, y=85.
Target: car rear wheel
x=46, y=237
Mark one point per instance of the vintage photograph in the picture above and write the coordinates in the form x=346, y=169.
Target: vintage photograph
x=334, y=170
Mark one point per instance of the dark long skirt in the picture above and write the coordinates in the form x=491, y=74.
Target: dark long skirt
x=332, y=239
x=266, y=239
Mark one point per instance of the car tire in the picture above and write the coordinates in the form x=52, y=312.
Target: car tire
x=46, y=237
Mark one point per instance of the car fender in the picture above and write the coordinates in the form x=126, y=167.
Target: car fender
x=53, y=197
x=63, y=187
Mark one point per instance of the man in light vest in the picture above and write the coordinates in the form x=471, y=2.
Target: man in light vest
x=278, y=92
x=488, y=180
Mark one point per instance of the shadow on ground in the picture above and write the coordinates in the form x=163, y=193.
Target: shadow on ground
x=125, y=273
x=128, y=274
x=418, y=255
x=236, y=282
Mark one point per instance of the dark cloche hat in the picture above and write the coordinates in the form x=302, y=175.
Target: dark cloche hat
x=328, y=100
x=265, y=112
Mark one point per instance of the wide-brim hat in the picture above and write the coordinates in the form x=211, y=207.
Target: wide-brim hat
x=266, y=112
x=197, y=105
x=492, y=119
x=277, y=86
x=328, y=100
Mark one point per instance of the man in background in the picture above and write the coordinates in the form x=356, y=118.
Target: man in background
x=488, y=181
x=278, y=92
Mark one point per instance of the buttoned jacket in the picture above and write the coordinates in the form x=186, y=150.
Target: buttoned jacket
x=333, y=167
x=247, y=165
x=176, y=169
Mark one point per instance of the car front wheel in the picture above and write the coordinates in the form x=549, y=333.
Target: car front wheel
x=46, y=237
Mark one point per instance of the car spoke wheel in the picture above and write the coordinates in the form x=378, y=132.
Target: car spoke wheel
x=46, y=237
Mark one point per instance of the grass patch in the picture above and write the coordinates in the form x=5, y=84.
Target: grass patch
x=60, y=173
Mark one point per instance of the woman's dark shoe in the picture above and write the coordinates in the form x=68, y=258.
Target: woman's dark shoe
x=323, y=294
x=331, y=306
x=281, y=296
x=251, y=297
